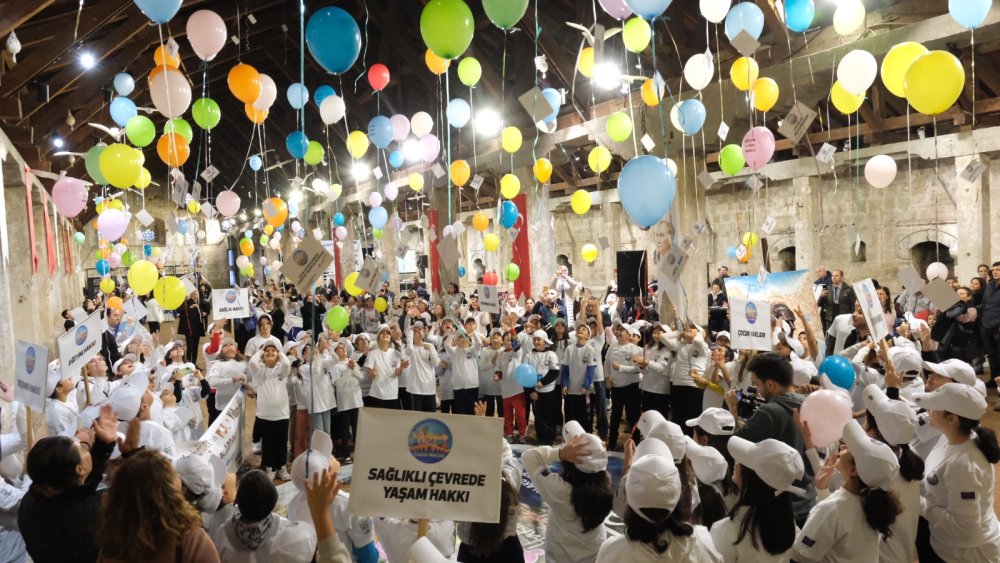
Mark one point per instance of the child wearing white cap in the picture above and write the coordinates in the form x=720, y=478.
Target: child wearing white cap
x=623, y=377
x=577, y=372
x=548, y=402
x=226, y=371
x=268, y=369
x=936, y=375
x=61, y=414
x=710, y=469
x=713, y=428
x=384, y=365
x=686, y=398
x=656, y=366
x=463, y=355
x=958, y=522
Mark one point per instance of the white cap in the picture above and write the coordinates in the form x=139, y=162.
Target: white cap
x=709, y=465
x=896, y=421
x=955, y=398
x=571, y=429
x=653, y=482
x=877, y=464
x=632, y=329
x=715, y=421
x=317, y=457
x=202, y=476
x=956, y=370
x=289, y=346
x=424, y=551
x=127, y=397
x=53, y=377
x=802, y=371
x=652, y=446
x=776, y=463
x=670, y=434
x=596, y=459
x=724, y=334
x=122, y=360
x=792, y=343
x=906, y=359
x=542, y=335
x=648, y=420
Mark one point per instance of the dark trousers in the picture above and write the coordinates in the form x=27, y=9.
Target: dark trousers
x=383, y=403
x=528, y=403
x=548, y=410
x=991, y=346
x=598, y=408
x=509, y=550
x=422, y=403
x=255, y=431
x=274, y=442
x=625, y=399
x=404, y=400
x=465, y=401
x=576, y=409
x=656, y=402
x=191, y=348
x=926, y=553
x=685, y=404
x=494, y=404
x=446, y=406
x=342, y=427
x=213, y=412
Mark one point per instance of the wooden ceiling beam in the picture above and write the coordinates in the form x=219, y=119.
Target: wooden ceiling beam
x=13, y=13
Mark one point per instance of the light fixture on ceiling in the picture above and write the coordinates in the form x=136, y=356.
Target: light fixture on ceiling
x=57, y=142
x=607, y=76
x=87, y=60
x=411, y=150
x=361, y=171
x=487, y=122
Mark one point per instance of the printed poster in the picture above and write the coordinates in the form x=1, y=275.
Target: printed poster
x=785, y=292
x=31, y=368
x=750, y=324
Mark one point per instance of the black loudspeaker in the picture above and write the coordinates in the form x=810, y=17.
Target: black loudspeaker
x=631, y=273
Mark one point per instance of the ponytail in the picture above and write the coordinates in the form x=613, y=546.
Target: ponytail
x=881, y=509
x=651, y=531
x=911, y=466
x=985, y=438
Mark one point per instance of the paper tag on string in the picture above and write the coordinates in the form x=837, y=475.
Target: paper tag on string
x=741, y=252
x=673, y=263
x=660, y=84
x=687, y=243
x=252, y=19
x=647, y=142
x=377, y=173
x=437, y=170
x=144, y=218
x=700, y=228
x=207, y=210
x=210, y=173
x=196, y=191
x=541, y=64
x=745, y=43
x=825, y=153
x=973, y=171
x=754, y=183
x=598, y=43
x=709, y=56
x=604, y=243
x=705, y=179
x=534, y=102
x=768, y=226
x=172, y=47
x=235, y=40
x=476, y=182
x=797, y=122
x=723, y=131
x=762, y=275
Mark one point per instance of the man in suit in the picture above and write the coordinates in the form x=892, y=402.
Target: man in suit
x=109, y=342
x=836, y=299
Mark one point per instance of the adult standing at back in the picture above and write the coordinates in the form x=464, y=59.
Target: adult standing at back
x=191, y=324
x=836, y=299
x=990, y=310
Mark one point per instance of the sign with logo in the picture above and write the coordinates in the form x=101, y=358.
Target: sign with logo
x=872, y=308
x=750, y=323
x=489, y=299
x=231, y=303
x=31, y=367
x=224, y=438
x=306, y=264
x=416, y=465
x=80, y=343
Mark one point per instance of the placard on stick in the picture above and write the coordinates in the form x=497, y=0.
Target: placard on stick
x=872, y=309
x=306, y=264
x=31, y=369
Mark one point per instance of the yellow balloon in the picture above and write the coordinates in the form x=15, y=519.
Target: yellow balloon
x=895, y=64
x=588, y=253
x=599, y=159
x=765, y=94
x=510, y=186
x=460, y=172
x=744, y=73
x=268, y=229
x=144, y=179
x=511, y=139
x=120, y=165
x=357, y=144
x=436, y=64
x=585, y=62
x=543, y=170
x=107, y=285
x=169, y=293
x=491, y=242
x=649, y=94
x=750, y=239
x=580, y=202
x=116, y=204
x=142, y=277
x=381, y=304
x=416, y=182
x=100, y=207
x=934, y=82
x=349, y=285
x=194, y=207
x=845, y=102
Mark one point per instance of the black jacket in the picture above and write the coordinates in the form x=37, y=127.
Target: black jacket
x=843, y=306
x=189, y=319
x=990, y=307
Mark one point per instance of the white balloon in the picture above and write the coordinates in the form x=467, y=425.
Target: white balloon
x=675, y=117
x=698, y=71
x=332, y=109
x=880, y=171
x=936, y=270
x=171, y=93
x=850, y=16
x=715, y=10
x=268, y=93
x=263, y=261
x=672, y=165
x=242, y=261
x=857, y=71
x=400, y=127
x=421, y=124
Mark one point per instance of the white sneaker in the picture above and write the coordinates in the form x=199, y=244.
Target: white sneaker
x=256, y=448
x=270, y=474
x=283, y=475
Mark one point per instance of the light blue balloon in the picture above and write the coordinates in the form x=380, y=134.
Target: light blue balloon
x=731, y=252
x=267, y=270
x=122, y=109
x=124, y=83
x=526, y=375
x=396, y=159
x=298, y=95
x=160, y=11
x=799, y=14
x=323, y=92
x=380, y=131
x=378, y=217
x=182, y=227
x=554, y=98
x=691, y=116
x=293, y=209
x=458, y=113
x=338, y=219
x=103, y=267
x=647, y=188
x=248, y=234
x=147, y=249
x=508, y=214
x=969, y=13
x=334, y=39
x=745, y=16
x=297, y=144
x=255, y=163
x=461, y=271
x=648, y=9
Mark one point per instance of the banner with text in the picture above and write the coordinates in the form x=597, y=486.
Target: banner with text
x=232, y=303
x=79, y=344
x=31, y=368
x=785, y=292
x=224, y=438
x=750, y=324
x=306, y=264
x=872, y=308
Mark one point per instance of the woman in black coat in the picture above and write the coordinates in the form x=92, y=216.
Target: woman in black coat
x=191, y=323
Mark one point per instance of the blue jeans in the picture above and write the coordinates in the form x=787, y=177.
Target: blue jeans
x=322, y=421
x=599, y=406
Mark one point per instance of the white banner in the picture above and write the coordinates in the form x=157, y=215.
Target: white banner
x=31, y=368
x=489, y=299
x=135, y=309
x=872, y=308
x=232, y=303
x=420, y=465
x=81, y=343
x=306, y=264
x=224, y=438
x=750, y=323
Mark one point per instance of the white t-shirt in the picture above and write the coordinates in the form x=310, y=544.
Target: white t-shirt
x=220, y=376
x=398, y=536
x=489, y=364
x=696, y=547
x=347, y=383
x=656, y=376
x=61, y=418
x=577, y=359
x=424, y=360
x=902, y=545
x=543, y=362
x=384, y=386
x=269, y=383
x=724, y=534
x=627, y=372
x=837, y=532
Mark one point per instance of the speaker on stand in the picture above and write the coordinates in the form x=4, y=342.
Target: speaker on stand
x=631, y=273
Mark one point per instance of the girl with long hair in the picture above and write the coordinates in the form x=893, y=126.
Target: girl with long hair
x=384, y=366
x=548, y=406
x=655, y=384
x=493, y=543
x=713, y=428
x=268, y=369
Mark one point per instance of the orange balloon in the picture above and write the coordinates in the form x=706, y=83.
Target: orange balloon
x=255, y=115
x=105, y=252
x=152, y=74
x=480, y=221
x=163, y=58
x=244, y=83
x=275, y=211
x=246, y=247
x=173, y=150
x=460, y=172
x=116, y=302
x=436, y=63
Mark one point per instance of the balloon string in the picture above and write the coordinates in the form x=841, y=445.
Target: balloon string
x=534, y=97
x=364, y=56
x=172, y=139
x=472, y=110
x=718, y=62
x=447, y=94
x=972, y=49
x=302, y=60
x=247, y=157
x=503, y=94
x=659, y=107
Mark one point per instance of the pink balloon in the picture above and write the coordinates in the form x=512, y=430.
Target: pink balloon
x=430, y=146
x=397, y=222
x=228, y=203
x=391, y=191
x=400, y=127
x=112, y=224
x=375, y=199
x=758, y=147
x=206, y=32
x=616, y=8
x=115, y=259
x=70, y=196
x=340, y=232
x=447, y=231
x=826, y=412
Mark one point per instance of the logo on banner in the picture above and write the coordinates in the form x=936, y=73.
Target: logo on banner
x=430, y=441
x=231, y=296
x=869, y=298
x=29, y=360
x=300, y=257
x=751, y=312
x=81, y=335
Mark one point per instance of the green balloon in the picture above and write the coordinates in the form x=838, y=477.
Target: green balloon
x=314, y=154
x=447, y=26
x=377, y=233
x=505, y=13
x=140, y=130
x=636, y=34
x=79, y=237
x=731, y=159
x=128, y=259
x=93, y=163
x=206, y=113
x=619, y=127
x=264, y=239
x=470, y=71
x=512, y=271
x=337, y=319
x=179, y=126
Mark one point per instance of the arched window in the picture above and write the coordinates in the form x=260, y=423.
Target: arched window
x=786, y=260
x=927, y=252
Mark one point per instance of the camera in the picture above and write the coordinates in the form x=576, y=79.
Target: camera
x=748, y=402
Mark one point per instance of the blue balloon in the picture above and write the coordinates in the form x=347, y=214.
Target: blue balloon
x=461, y=271
x=103, y=267
x=385, y=276
x=380, y=131
x=160, y=11
x=323, y=92
x=338, y=219
x=248, y=233
x=298, y=95
x=458, y=113
x=508, y=214
x=554, y=98
x=255, y=163
x=280, y=229
x=691, y=116
x=745, y=16
x=647, y=188
x=378, y=217
x=396, y=159
x=147, y=249
x=839, y=370
x=293, y=209
x=334, y=39
x=731, y=252
x=648, y=9
x=122, y=109
x=969, y=13
x=267, y=270
x=124, y=83
x=182, y=226
x=297, y=144
x=799, y=14
x=526, y=375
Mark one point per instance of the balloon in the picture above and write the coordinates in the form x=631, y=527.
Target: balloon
x=542, y=170
x=459, y=112
x=381, y=304
x=314, y=154
x=332, y=109
x=744, y=16
x=103, y=267
x=120, y=165
x=246, y=246
x=79, y=237
x=255, y=162
x=649, y=95
x=511, y=139
x=508, y=214
x=447, y=27
x=255, y=115
x=172, y=150
x=160, y=11
x=698, y=71
x=619, y=127
x=350, y=284
x=169, y=293
x=380, y=131
x=171, y=93
x=416, y=181
x=731, y=159
x=491, y=242
x=480, y=221
x=334, y=39
x=581, y=201
x=895, y=64
x=70, y=196
x=933, y=82
x=758, y=147
x=114, y=260
x=636, y=34
x=647, y=189
x=421, y=124
x=244, y=83
x=206, y=32
x=470, y=71
x=826, y=412
x=396, y=159
x=599, y=159
x=585, y=62
x=765, y=94
x=512, y=271
x=298, y=95
x=145, y=179
x=228, y=203
x=461, y=271
x=615, y=8
x=936, y=270
x=880, y=171
x=92, y=163
x=115, y=302
x=714, y=10
x=554, y=98
x=275, y=211
x=124, y=84
x=744, y=73
x=691, y=115
x=526, y=375
x=181, y=127
x=107, y=286
x=969, y=13
x=589, y=253
x=140, y=130
x=378, y=217
x=648, y=9
x=337, y=318
x=490, y=278
x=378, y=76
x=164, y=59
x=850, y=16
x=750, y=239
x=845, y=102
x=436, y=64
x=206, y=113
x=122, y=109
x=799, y=14
x=374, y=199
x=505, y=13
x=430, y=147
x=460, y=172
x=391, y=191
x=400, y=127
x=128, y=258
x=323, y=92
x=357, y=144
x=510, y=186
x=857, y=71
x=112, y=224
x=839, y=370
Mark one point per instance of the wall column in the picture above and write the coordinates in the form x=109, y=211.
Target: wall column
x=973, y=223
x=539, y=225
